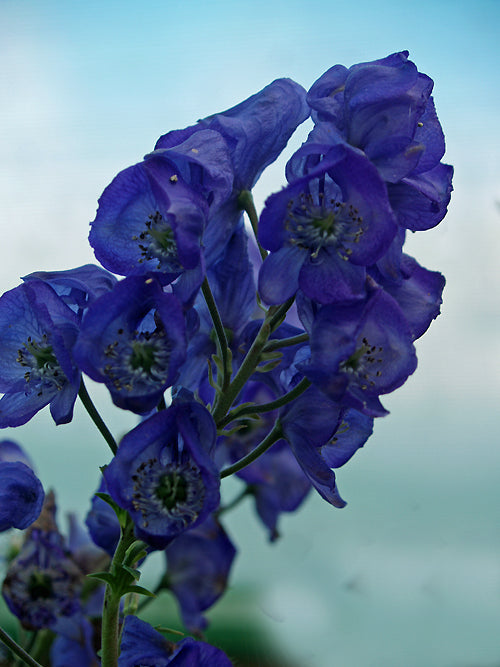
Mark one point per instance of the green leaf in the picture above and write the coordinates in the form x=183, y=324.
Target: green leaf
x=265, y=368
x=107, y=577
x=136, y=551
x=211, y=376
x=119, y=511
x=135, y=574
x=139, y=590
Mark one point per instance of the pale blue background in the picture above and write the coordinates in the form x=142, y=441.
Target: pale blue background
x=409, y=573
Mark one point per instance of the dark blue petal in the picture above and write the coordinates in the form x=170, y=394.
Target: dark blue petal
x=198, y=566
x=256, y=130
x=421, y=201
x=353, y=431
x=279, y=274
x=21, y=495
x=328, y=278
x=77, y=287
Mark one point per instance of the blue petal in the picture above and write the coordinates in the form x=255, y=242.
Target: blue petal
x=279, y=274
x=21, y=495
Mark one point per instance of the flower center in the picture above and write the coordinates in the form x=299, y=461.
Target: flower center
x=316, y=223
x=175, y=490
x=363, y=365
x=43, y=369
x=157, y=242
x=171, y=489
x=138, y=361
x=40, y=586
x=143, y=356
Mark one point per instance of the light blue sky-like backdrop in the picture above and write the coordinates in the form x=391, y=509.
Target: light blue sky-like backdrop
x=408, y=574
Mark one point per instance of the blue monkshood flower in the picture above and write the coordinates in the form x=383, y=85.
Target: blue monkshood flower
x=360, y=350
x=43, y=584
x=37, y=333
x=151, y=220
x=79, y=287
x=143, y=646
x=379, y=107
x=21, y=492
x=323, y=436
x=198, y=566
x=275, y=480
x=386, y=109
x=21, y=495
x=163, y=472
x=323, y=230
x=418, y=293
x=255, y=131
x=133, y=339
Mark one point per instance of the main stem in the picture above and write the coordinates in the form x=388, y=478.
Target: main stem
x=111, y=607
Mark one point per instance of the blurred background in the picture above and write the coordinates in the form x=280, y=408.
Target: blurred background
x=408, y=574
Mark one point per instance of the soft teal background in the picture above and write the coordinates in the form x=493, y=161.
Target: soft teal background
x=408, y=574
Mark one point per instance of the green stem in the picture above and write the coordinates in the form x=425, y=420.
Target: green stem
x=278, y=343
x=245, y=371
x=220, y=332
x=17, y=650
x=273, y=319
x=96, y=417
x=299, y=389
x=273, y=436
x=111, y=609
x=277, y=313
x=245, y=201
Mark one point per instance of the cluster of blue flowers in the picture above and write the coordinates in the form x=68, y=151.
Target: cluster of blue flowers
x=262, y=355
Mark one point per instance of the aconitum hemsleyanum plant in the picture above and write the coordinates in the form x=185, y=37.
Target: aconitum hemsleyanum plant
x=261, y=351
